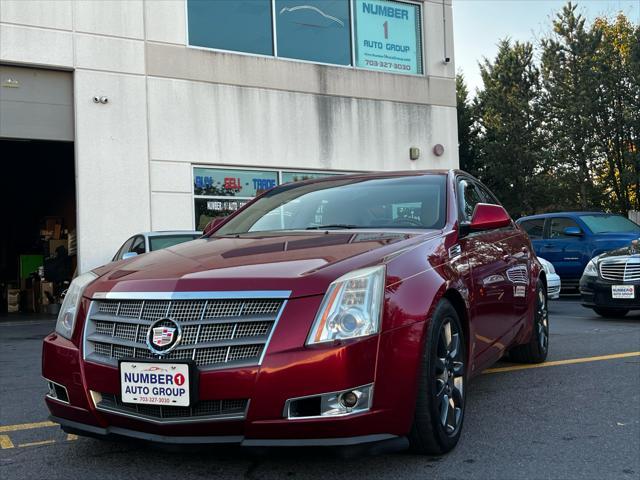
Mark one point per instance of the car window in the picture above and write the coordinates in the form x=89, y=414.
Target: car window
x=470, y=195
x=164, y=241
x=534, y=228
x=609, y=224
x=124, y=249
x=138, y=245
x=396, y=202
x=557, y=226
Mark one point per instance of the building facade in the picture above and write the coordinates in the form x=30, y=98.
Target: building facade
x=181, y=110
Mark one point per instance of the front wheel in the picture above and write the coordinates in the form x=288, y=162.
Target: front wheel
x=611, y=312
x=440, y=404
x=536, y=350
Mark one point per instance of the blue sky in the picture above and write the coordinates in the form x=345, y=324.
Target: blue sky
x=479, y=24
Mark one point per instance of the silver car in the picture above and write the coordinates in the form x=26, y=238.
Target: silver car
x=148, y=241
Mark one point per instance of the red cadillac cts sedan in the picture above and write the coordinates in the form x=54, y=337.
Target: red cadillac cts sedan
x=332, y=312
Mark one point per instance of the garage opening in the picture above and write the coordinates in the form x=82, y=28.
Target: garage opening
x=38, y=243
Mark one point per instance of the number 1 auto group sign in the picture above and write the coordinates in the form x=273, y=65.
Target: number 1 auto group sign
x=388, y=36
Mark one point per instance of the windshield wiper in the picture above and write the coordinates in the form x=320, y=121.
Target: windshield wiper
x=333, y=226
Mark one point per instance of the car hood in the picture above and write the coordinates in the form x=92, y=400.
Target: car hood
x=303, y=263
x=619, y=252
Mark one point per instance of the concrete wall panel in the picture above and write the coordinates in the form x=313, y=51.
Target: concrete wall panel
x=120, y=18
x=38, y=13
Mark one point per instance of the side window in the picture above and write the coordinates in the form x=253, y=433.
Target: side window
x=557, y=226
x=138, y=245
x=469, y=196
x=534, y=228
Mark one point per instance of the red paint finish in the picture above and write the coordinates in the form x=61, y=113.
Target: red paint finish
x=470, y=267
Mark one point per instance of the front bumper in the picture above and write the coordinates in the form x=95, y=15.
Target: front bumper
x=288, y=371
x=596, y=292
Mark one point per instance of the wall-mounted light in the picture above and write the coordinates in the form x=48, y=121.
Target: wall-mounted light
x=438, y=149
x=414, y=153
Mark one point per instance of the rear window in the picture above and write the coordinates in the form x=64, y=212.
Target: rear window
x=158, y=243
x=610, y=224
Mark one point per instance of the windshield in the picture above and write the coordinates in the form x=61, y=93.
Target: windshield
x=383, y=203
x=609, y=224
x=158, y=243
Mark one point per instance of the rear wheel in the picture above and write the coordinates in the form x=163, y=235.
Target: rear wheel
x=611, y=312
x=536, y=350
x=440, y=404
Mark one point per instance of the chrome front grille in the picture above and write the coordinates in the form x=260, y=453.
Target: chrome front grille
x=621, y=269
x=234, y=409
x=216, y=332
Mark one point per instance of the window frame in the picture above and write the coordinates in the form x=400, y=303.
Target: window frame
x=563, y=237
x=274, y=38
x=542, y=235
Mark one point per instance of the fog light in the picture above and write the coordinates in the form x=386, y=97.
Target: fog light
x=349, y=399
x=57, y=392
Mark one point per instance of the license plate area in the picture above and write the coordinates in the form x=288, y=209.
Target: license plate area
x=157, y=383
x=623, y=292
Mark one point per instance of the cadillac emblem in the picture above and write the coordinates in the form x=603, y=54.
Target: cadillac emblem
x=163, y=336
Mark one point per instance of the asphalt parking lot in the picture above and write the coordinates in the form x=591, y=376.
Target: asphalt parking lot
x=578, y=416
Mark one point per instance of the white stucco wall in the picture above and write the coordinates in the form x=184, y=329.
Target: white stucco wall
x=171, y=107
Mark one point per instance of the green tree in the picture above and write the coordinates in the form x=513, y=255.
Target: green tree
x=465, y=126
x=568, y=69
x=507, y=134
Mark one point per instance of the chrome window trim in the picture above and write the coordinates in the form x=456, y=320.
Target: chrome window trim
x=217, y=295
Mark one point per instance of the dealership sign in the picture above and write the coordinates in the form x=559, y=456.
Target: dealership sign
x=388, y=36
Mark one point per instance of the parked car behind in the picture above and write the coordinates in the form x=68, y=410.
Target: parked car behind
x=149, y=241
x=336, y=311
x=554, y=284
x=569, y=240
x=610, y=283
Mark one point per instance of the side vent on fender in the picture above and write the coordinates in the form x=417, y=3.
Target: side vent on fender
x=455, y=251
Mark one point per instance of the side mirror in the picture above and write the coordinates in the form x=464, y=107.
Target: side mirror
x=572, y=232
x=487, y=216
x=129, y=255
x=212, y=225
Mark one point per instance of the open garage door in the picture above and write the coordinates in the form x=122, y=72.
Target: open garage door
x=37, y=189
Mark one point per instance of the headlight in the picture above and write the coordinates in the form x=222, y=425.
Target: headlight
x=69, y=309
x=591, y=270
x=351, y=307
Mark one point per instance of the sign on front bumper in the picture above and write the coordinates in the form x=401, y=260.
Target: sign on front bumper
x=155, y=383
x=623, y=291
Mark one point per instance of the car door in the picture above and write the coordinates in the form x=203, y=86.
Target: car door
x=563, y=251
x=492, y=293
x=514, y=247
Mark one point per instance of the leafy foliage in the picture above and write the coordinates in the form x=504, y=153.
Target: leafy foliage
x=560, y=132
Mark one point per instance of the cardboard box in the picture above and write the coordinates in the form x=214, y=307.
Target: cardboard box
x=13, y=297
x=56, y=231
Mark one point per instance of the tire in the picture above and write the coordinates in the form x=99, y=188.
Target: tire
x=611, y=312
x=537, y=348
x=440, y=402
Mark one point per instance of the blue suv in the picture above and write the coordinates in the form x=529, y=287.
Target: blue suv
x=570, y=239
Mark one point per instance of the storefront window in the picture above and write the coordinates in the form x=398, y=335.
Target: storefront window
x=236, y=25
x=388, y=36
x=314, y=30
x=219, y=192
x=300, y=176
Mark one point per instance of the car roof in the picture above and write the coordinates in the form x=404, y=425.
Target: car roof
x=561, y=214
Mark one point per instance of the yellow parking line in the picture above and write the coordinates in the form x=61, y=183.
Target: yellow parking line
x=563, y=362
x=26, y=426
x=71, y=437
x=5, y=442
x=35, y=444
